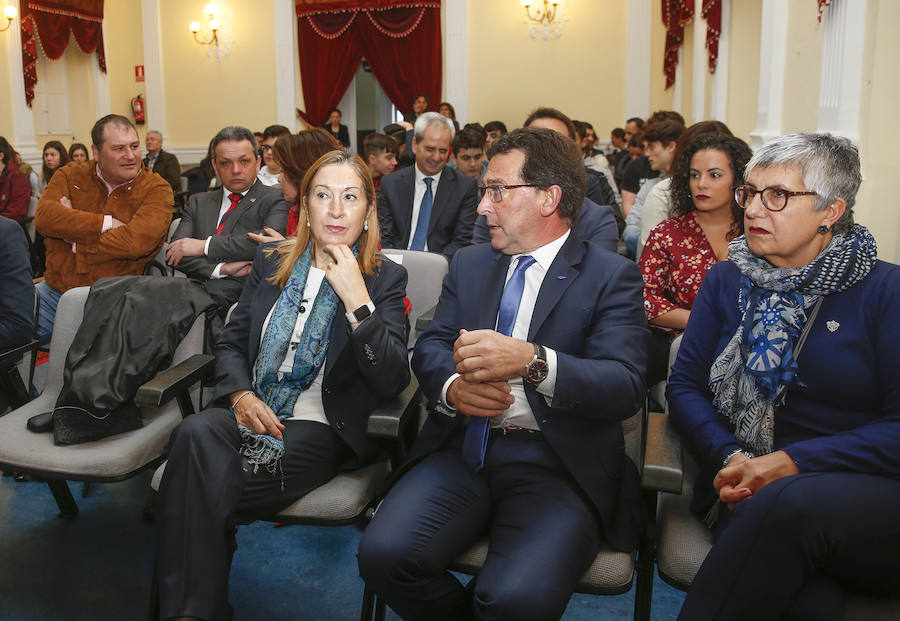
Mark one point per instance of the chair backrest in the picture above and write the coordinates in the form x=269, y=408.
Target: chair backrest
x=29, y=217
x=426, y=277
x=172, y=228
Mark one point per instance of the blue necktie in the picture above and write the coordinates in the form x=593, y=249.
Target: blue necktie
x=479, y=427
x=418, y=242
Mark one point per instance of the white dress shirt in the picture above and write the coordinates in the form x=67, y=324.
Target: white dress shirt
x=519, y=414
x=226, y=203
x=419, y=194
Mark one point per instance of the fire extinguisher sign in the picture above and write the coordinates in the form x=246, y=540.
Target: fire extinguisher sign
x=139, y=73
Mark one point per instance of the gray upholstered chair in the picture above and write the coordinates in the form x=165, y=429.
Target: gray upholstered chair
x=158, y=262
x=426, y=277
x=683, y=540
x=111, y=459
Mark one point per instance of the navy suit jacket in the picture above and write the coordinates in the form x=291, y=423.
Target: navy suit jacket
x=452, y=213
x=362, y=367
x=590, y=311
x=596, y=224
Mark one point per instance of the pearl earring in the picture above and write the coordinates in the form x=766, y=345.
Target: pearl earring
x=307, y=223
x=366, y=226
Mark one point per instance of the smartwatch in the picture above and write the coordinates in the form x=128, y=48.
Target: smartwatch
x=537, y=370
x=361, y=313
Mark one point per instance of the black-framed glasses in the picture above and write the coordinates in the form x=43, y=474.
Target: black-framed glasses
x=773, y=198
x=265, y=148
x=495, y=192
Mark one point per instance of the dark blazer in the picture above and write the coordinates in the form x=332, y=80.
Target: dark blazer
x=362, y=367
x=342, y=135
x=590, y=311
x=261, y=206
x=452, y=213
x=17, y=301
x=168, y=168
x=595, y=224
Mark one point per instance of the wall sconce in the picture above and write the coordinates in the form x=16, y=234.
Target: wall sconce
x=10, y=13
x=218, y=46
x=544, y=18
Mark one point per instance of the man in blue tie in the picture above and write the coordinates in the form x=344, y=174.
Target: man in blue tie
x=428, y=206
x=536, y=354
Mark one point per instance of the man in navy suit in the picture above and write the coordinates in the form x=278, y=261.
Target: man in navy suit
x=536, y=354
x=428, y=206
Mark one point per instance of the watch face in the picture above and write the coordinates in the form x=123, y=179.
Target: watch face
x=361, y=313
x=537, y=371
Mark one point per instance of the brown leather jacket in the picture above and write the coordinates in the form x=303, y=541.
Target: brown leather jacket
x=144, y=205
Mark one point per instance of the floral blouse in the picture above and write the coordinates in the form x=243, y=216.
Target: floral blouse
x=674, y=262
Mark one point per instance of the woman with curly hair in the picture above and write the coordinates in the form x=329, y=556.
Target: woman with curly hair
x=682, y=249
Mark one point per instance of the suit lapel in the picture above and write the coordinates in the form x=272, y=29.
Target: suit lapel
x=213, y=205
x=559, y=277
x=246, y=203
x=495, y=279
x=445, y=190
x=404, y=208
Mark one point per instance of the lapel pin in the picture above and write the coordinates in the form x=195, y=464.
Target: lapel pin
x=560, y=278
x=832, y=325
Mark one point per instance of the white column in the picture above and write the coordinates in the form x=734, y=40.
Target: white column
x=701, y=66
x=842, y=68
x=285, y=59
x=347, y=107
x=153, y=65
x=772, y=56
x=676, y=88
x=456, y=57
x=718, y=95
x=102, y=100
x=637, y=59
x=22, y=135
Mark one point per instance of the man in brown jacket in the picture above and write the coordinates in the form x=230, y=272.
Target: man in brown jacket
x=106, y=217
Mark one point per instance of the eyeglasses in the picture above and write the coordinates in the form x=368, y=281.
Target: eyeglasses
x=773, y=198
x=495, y=192
x=266, y=148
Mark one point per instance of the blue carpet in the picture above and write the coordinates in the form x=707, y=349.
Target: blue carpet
x=98, y=565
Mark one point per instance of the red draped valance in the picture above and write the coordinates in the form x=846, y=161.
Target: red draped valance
x=400, y=39
x=50, y=22
x=675, y=14
x=712, y=13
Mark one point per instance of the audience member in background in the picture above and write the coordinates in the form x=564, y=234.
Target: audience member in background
x=420, y=107
x=617, y=144
x=591, y=138
x=29, y=173
x=656, y=205
x=296, y=379
x=211, y=243
x=17, y=301
x=55, y=157
x=786, y=391
x=258, y=136
x=380, y=153
x=660, y=140
x=78, y=152
x=333, y=126
x=269, y=172
x=468, y=153
x=105, y=217
x=15, y=192
x=161, y=162
x=637, y=172
x=633, y=127
x=428, y=206
x=597, y=165
x=600, y=210
x=295, y=155
x=447, y=110
x=682, y=249
x=494, y=130
x=537, y=464
x=397, y=131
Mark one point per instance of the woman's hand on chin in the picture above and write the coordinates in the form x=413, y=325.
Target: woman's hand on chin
x=344, y=276
x=254, y=414
x=743, y=477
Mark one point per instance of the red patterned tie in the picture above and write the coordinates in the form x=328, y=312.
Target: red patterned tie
x=234, y=198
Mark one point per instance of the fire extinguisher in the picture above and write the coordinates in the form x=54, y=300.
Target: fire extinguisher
x=137, y=108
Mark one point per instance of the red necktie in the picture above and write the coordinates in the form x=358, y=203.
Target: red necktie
x=234, y=198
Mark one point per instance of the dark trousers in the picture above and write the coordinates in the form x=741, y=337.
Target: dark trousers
x=208, y=488
x=543, y=532
x=790, y=550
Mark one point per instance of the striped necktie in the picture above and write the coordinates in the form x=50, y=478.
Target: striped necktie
x=235, y=199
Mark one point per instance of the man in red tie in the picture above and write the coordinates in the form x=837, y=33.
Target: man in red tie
x=211, y=243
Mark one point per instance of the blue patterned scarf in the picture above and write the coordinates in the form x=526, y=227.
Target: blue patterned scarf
x=751, y=375
x=281, y=393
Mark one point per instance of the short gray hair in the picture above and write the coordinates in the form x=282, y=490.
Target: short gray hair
x=157, y=132
x=232, y=133
x=829, y=165
x=428, y=119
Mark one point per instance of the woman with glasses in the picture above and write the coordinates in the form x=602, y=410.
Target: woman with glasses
x=787, y=391
x=682, y=249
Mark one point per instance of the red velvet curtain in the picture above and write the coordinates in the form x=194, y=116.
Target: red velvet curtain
x=51, y=22
x=712, y=13
x=676, y=14
x=401, y=40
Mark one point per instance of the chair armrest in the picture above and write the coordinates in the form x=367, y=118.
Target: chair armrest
x=663, y=468
x=424, y=319
x=168, y=384
x=13, y=355
x=390, y=418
